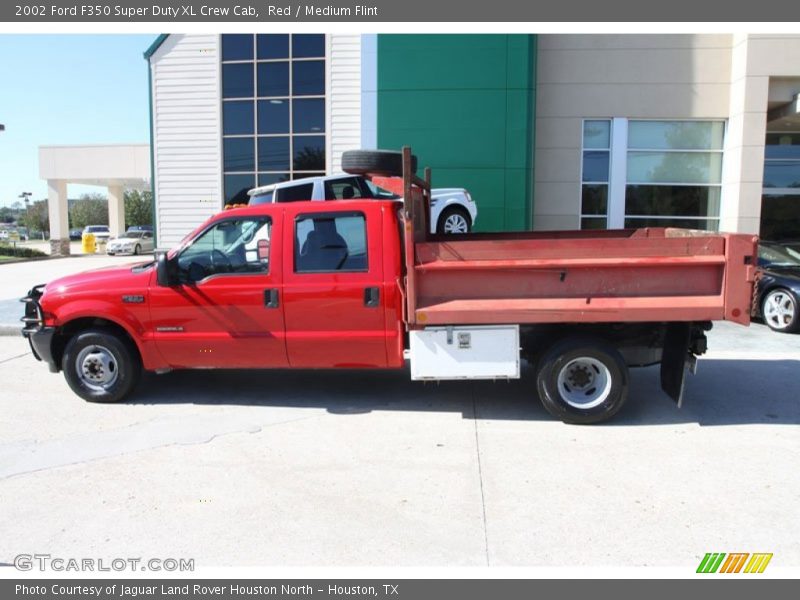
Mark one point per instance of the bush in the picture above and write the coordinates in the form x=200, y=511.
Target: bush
x=20, y=251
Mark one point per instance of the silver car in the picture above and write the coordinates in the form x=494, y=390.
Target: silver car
x=131, y=242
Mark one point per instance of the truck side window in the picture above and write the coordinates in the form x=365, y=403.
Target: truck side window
x=295, y=193
x=325, y=243
x=235, y=246
x=343, y=189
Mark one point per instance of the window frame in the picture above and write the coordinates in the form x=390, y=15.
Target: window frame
x=595, y=217
x=618, y=183
x=255, y=61
x=328, y=215
x=200, y=234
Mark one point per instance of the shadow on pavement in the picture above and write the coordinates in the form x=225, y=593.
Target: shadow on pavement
x=724, y=392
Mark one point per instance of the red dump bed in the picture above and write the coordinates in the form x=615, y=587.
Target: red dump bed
x=651, y=274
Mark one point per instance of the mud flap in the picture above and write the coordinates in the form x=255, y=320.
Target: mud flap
x=675, y=360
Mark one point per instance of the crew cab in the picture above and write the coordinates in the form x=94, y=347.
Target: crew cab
x=363, y=284
x=452, y=209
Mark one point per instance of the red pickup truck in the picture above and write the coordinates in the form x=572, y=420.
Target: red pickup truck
x=363, y=284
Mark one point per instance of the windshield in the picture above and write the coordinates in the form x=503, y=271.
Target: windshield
x=775, y=255
x=380, y=193
x=264, y=198
x=133, y=234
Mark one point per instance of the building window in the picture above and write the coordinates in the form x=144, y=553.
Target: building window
x=780, y=203
x=674, y=174
x=639, y=173
x=273, y=110
x=595, y=173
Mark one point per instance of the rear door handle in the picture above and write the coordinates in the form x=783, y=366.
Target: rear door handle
x=372, y=297
x=271, y=298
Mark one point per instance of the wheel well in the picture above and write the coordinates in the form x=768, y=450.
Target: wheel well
x=68, y=330
x=456, y=208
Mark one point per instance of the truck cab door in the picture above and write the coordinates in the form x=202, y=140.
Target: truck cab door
x=334, y=302
x=226, y=310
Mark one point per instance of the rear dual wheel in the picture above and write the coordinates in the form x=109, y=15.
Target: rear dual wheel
x=582, y=380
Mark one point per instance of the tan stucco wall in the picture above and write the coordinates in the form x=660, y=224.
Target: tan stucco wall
x=636, y=76
x=730, y=77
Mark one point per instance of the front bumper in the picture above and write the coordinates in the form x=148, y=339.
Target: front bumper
x=39, y=336
x=42, y=346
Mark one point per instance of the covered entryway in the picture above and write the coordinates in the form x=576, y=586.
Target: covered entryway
x=115, y=166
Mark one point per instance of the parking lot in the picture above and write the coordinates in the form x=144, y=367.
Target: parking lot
x=368, y=468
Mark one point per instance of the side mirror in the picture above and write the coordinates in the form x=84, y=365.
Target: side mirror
x=165, y=270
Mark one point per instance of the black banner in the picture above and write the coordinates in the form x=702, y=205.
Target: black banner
x=384, y=589
x=461, y=11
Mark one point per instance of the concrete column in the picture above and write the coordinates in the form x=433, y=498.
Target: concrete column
x=59, y=217
x=116, y=210
x=743, y=170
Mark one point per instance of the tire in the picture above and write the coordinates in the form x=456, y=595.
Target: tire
x=137, y=250
x=582, y=380
x=386, y=163
x=100, y=366
x=454, y=217
x=779, y=309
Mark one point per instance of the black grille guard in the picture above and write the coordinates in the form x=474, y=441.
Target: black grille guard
x=33, y=320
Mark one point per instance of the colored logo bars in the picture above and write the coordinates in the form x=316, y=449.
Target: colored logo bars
x=735, y=562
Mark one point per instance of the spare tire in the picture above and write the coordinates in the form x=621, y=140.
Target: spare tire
x=383, y=163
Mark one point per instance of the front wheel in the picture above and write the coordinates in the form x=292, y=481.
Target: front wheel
x=137, y=250
x=453, y=220
x=779, y=310
x=99, y=366
x=582, y=380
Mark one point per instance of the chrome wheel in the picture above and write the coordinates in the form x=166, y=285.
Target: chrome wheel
x=779, y=310
x=97, y=368
x=456, y=223
x=584, y=382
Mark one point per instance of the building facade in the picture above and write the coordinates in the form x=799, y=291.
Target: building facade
x=546, y=131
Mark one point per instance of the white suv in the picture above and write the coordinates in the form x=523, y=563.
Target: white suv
x=452, y=209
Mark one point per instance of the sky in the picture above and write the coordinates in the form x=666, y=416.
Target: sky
x=67, y=89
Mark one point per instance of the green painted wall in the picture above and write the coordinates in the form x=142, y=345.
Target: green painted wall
x=465, y=103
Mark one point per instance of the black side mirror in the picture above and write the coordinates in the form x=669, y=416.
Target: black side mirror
x=165, y=270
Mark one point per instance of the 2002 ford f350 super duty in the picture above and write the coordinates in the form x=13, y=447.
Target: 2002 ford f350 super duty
x=363, y=284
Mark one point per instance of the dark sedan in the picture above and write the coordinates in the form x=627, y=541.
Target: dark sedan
x=779, y=286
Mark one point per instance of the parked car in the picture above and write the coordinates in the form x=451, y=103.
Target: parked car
x=148, y=228
x=100, y=232
x=452, y=209
x=75, y=234
x=131, y=242
x=3, y=234
x=354, y=284
x=779, y=286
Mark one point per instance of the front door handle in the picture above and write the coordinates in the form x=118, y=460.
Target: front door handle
x=271, y=298
x=372, y=297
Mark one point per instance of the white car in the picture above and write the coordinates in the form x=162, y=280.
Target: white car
x=452, y=209
x=100, y=232
x=131, y=242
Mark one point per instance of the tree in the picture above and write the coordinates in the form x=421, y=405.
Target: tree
x=7, y=215
x=138, y=208
x=36, y=217
x=90, y=209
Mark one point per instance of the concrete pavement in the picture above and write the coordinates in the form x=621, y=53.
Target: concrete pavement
x=368, y=468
